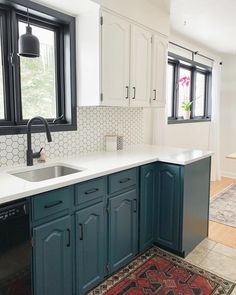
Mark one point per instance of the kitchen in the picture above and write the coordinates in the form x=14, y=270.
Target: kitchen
x=89, y=182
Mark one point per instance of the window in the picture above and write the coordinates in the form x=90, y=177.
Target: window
x=38, y=76
x=188, y=82
x=44, y=86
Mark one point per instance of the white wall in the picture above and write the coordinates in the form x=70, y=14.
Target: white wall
x=200, y=135
x=146, y=12
x=228, y=115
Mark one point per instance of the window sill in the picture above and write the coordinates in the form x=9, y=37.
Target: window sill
x=182, y=121
x=22, y=129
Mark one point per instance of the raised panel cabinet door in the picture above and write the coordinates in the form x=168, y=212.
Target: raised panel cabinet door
x=159, y=68
x=115, y=60
x=141, y=51
x=148, y=182
x=52, y=254
x=90, y=247
x=168, y=206
x=122, y=229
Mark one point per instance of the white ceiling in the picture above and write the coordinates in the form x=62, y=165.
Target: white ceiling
x=73, y=7
x=210, y=22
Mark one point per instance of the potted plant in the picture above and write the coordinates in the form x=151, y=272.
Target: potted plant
x=186, y=106
x=184, y=83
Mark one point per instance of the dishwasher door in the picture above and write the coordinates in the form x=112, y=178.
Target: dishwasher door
x=15, y=249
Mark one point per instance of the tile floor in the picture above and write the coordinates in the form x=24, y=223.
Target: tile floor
x=216, y=258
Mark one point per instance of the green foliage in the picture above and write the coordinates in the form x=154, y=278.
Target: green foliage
x=38, y=85
x=186, y=106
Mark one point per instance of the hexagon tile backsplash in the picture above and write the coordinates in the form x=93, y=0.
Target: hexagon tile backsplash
x=93, y=124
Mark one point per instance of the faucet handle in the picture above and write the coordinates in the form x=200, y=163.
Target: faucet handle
x=42, y=156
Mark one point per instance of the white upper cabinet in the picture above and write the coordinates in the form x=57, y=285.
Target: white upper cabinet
x=159, y=67
x=140, y=75
x=120, y=63
x=115, y=60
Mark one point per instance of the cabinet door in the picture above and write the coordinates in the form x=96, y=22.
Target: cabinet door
x=168, y=206
x=140, y=67
x=52, y=254
x=159, y=67
x=122, y=229
x=115, y=60
x=90, y=247
x=148, y=182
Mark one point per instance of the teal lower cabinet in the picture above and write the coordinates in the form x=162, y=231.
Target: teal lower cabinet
x=182, y=205
x=168, y=204
x=52, y=254
x=148, y=190
x=122, y=229
x=90, y=247
x=83, y=233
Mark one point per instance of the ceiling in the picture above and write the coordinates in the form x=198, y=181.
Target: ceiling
x=210, y=22
x=73, y=7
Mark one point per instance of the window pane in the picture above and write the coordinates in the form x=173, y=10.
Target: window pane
x=2, y=113
x=200, y=94
x=170, y=81
x=184, y=88
x=38, y=85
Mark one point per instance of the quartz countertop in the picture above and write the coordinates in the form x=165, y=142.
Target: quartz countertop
x=93, y=165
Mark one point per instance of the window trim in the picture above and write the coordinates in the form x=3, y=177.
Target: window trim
x=47, y=17
x=179, y=62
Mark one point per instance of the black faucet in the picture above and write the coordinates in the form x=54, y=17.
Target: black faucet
x=30, y=155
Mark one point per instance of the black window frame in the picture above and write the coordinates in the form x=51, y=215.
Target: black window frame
x=179, y=62
x=65, y=60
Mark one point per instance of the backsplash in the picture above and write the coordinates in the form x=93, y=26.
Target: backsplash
x=93, y=124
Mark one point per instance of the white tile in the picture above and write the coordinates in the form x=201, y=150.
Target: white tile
x=225, y=250
x=220, y=264
x=93, y=124
x=207, y=243
x=197, y=255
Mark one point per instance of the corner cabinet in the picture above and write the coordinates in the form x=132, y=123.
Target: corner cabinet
x=148, y=189
x=168, y=204
x=129, y=62
x=182, y=205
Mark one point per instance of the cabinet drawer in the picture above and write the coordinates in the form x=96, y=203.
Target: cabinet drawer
x=122, y=180
x=47, y=204
x=90, y=190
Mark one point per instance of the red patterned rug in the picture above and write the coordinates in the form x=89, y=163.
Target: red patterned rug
x=158, y=272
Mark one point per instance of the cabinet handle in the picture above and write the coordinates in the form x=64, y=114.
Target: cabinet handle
x=91, y=191
x=81, y=232
x=134, y=88
x=54, y=204
x=155, y=94
x=125, y=180
x=127, y=92
x=68, y=244
x=135, y=205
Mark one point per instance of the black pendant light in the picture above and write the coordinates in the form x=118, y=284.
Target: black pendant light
x=28, y=43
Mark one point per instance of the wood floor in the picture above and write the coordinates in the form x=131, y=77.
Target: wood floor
x=219, y=232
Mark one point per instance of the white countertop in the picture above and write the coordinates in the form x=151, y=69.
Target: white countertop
x=93, y=165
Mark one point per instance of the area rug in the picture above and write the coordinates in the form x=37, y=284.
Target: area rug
x=158, y=272
x=223, y=207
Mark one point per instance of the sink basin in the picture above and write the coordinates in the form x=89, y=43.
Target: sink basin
x=46, y=173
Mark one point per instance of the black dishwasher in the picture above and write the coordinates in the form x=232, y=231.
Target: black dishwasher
x=15, y=249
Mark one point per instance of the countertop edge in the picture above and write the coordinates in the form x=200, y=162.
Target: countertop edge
x=71, y=180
